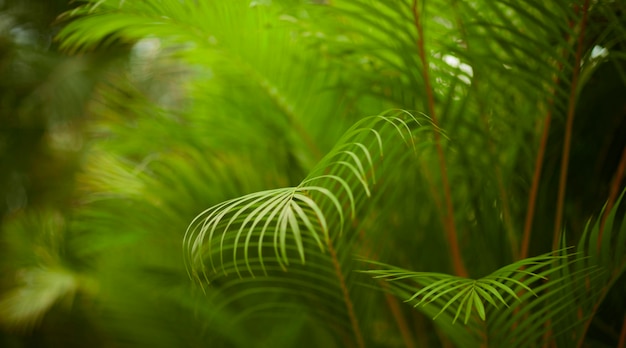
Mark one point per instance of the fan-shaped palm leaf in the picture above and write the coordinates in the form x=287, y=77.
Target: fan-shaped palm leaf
x=317, y=209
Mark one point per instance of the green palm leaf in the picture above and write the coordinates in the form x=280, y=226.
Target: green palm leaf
x=314, y=212
x=464, y=296
x=514, y=302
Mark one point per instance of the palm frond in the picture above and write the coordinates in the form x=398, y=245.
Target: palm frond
x=602, y=246
x=474, y=292
x=504, y=305
x=560, y=292
x=227, y=62
x=314, y=212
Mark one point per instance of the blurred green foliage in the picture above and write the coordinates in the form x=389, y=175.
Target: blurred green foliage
x=121, y=121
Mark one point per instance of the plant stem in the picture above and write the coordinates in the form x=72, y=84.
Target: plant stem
x=392, y=301
x=571, y=108
x=346, y=296
x=400, y=320
x=476, y=82
x=622, y=336
x=532, y=199
x=615, y=188
x=585, y=328
x=451, y=233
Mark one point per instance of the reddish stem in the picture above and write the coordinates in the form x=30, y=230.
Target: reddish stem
x=622, y=336
x=568, y=130
x=403, y=326
x=532, y=199
x=346, y=296
x=615, y=188
x=451, y=233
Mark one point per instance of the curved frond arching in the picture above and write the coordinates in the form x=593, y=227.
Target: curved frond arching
x=313, y=213
x=557, y=293
x=509, y=306
x=466, y=297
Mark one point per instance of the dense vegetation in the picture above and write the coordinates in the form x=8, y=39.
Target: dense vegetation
x=313, y=173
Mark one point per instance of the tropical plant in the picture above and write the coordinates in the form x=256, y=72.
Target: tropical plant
x=361, y=173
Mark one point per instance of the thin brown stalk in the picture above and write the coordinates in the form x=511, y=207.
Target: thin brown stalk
x=615, y=188
x=421, y=326
x=622, y=335
x=602, y=294
x=392, y=301
x=571, y=108
x=532, y=197
x=451, y=233
x=506, y=211
x=346, y=296
x=534, y=188
x=444, y=341
x=546, y=339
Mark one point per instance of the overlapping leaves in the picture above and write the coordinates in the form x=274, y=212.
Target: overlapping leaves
x=464, y=297
x=315, y=211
